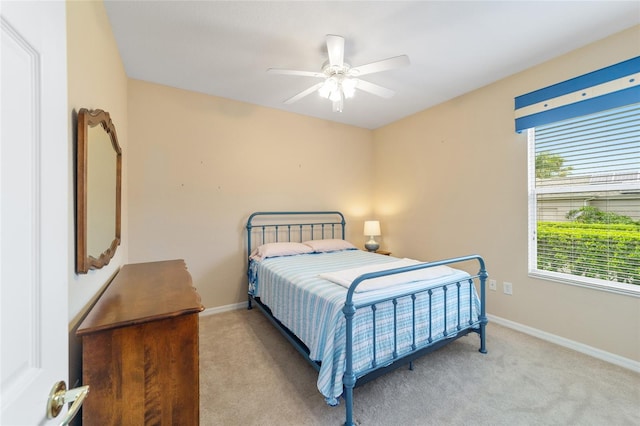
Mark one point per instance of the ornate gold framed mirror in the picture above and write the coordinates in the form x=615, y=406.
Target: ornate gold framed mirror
x=98, y=190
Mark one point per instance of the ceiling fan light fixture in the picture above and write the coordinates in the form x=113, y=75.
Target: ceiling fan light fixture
x=349, y=87
x=337, y=88
x=329, y=86
x=324, y=91
x=336, y=95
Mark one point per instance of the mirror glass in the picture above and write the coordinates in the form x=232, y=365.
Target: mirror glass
x=98, y=190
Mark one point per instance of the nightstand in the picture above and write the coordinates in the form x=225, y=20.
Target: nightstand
x=384, y=252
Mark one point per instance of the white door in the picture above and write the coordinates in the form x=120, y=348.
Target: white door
x=34, y=209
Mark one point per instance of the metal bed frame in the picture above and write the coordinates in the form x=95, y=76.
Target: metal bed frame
x=276, y=229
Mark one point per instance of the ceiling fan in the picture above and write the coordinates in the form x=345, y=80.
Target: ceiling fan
x=340, y=80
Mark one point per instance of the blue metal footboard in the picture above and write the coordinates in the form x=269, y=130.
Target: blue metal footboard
x=274, y=229
x=350, y=309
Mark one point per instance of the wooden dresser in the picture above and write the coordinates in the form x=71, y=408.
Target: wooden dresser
x=140, y=348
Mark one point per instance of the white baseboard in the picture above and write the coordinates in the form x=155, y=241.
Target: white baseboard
x=576, y=346
x=226, y=308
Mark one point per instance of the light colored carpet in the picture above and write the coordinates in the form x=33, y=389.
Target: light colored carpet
x=251, y=375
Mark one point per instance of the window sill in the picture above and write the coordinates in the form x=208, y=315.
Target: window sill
x=591, y=283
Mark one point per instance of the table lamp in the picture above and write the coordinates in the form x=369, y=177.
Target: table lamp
x=372, y=229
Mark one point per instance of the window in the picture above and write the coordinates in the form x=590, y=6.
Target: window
x=584, y=200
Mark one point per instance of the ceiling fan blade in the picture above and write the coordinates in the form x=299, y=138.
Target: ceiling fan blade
x=374, y=89
x=303, y=93
x=383, y=65
x=296, y=72
x=335, y=48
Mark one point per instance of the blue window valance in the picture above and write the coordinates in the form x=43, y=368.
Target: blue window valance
x=606, y=88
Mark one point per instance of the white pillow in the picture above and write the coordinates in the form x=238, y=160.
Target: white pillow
x=279, y=249
x=319, y=246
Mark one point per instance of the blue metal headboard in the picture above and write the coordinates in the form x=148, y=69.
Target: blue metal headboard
x=281, y=226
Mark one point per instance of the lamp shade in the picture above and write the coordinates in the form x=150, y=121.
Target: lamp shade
x=372, y=228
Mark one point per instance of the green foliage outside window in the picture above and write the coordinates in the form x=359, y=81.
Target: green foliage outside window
x=550, y=165
x=596, y=250
x=590, y=214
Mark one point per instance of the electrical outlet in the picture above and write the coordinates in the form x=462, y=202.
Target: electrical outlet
x=492, y=285
x=507, y=288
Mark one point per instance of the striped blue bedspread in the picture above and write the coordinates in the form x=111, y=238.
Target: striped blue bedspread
x=311, y=307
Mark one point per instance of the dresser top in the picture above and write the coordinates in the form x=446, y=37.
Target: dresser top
x=143, y=292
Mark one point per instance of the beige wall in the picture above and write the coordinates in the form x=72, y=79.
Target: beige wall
x=97, y=80
x=200, y=165
x=452, y=180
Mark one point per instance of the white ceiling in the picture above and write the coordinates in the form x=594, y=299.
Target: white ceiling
x=224, y=48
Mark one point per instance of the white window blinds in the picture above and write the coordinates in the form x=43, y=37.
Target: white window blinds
x=584, y=176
